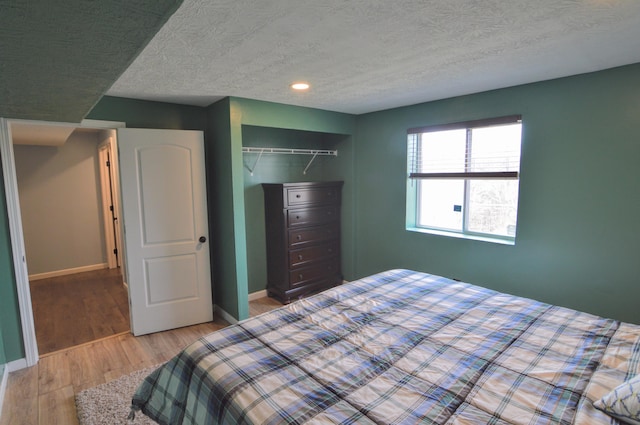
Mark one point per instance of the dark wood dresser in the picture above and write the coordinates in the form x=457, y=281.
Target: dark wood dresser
x=303, y=238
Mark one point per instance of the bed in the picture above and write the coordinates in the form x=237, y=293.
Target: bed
x=400, y=347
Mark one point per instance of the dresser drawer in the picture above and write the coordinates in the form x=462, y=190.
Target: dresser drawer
x=317, y=271
x=309, y=288
x=302, y=256
x=309, y=216
x=296, y=196
x=300, y=237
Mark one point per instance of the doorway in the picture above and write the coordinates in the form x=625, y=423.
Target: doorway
x=63, y=223
x=170, y=215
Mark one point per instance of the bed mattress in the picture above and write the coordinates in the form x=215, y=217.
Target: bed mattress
x=399, y=347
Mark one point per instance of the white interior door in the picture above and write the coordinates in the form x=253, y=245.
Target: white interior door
x=165, y=223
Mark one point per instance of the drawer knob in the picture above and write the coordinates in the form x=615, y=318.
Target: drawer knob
x=300, y=276
x=299, y=256
x=298, y=196
x=299, y=237
x=297, y=217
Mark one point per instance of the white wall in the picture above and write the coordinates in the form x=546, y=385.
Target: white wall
x=59, y=189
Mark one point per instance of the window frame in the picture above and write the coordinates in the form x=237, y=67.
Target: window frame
x=414, y=178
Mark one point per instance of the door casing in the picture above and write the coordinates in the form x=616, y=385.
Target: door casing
x=111, y=200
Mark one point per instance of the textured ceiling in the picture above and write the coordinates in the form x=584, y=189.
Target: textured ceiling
x=58, y=57
x=367, y=55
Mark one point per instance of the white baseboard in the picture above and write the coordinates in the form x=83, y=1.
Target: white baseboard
x=17, y=365
x=3, y=386
x=226, y=316
x=65, y=272
x=257, y=295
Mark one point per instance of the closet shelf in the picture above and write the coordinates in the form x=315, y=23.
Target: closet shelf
x=287, y=151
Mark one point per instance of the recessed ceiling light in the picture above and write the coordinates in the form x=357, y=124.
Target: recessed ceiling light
x=300, y=86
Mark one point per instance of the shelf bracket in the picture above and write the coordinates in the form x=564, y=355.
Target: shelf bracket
x=310, y=161
x=255, y=164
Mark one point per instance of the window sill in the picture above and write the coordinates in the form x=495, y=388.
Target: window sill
x=462, y=236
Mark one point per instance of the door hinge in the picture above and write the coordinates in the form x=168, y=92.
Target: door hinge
x=108, y=163
x=115, y=251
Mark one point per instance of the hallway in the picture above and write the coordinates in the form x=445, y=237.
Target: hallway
x=76, y=309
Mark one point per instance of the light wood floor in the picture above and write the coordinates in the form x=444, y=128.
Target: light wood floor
x=79, y=308
x=45, y=393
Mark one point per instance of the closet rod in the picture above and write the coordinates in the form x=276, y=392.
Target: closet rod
x=287, y=151
x=290, y=151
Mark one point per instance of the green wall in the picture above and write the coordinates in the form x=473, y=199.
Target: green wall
x=228, y=262
x=11, y=346
x=3, y=356
x=232, y=124
x=578, y=237
x=146, y=114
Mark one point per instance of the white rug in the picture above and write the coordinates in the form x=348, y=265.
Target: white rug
x=110, y=403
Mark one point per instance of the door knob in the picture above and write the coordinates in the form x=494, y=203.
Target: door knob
x=202, y=239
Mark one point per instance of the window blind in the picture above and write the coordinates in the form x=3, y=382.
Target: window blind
x=452, y=151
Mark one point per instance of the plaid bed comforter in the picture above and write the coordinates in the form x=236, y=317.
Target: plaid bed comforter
x=399, y=347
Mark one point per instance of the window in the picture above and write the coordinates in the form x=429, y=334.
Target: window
x=463, y=178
